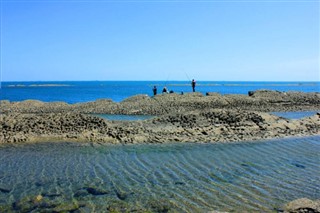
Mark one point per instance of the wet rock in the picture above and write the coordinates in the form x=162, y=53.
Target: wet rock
x=81, y=193
x=302, y=205
x=161, y=206
x=179, y=183
x=51, y=195
x=95, y=191
x=66, y=207
x=121, y=195
x=28, y=204
x=245, y=165
x=4, y=190
x=5, y=208
x=299, y=165
x=121, y=206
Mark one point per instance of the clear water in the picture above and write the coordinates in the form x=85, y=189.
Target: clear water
x=294, y=115
x=288, y=115
x=83, y=91
x=124, y=117
x=239, y=177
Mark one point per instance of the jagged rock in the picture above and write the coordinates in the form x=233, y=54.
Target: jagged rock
x=302, y=205
x=4, y=190
x=208, y=125
x=95, y=191
x=212, y=123
x=261, y=100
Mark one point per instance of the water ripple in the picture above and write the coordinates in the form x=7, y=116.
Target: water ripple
x=187, y=177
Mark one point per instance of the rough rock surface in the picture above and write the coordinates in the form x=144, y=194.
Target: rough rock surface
x=191, y=117
x=262, y=100
x=195, y=126
x=302, y=205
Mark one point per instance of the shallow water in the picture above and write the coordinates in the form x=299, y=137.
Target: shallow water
x=124, y=117
x=258, y=176
x=294, y=115
x=288, y=115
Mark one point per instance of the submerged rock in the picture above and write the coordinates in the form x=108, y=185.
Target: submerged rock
x=89, y=191
x=4, y=190
x=95, y=191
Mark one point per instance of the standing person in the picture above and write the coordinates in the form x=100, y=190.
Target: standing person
x=193, y=84
x=154, y=90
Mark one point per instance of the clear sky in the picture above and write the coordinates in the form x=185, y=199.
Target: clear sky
x=160, y=40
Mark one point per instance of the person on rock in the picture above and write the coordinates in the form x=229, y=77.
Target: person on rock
x=193, y=84
x=164, y=90
x=154, y=90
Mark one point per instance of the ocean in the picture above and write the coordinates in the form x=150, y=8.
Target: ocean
x=84, y=91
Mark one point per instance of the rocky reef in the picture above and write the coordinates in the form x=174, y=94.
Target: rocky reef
x=195, y=126
x=261, y=100
x=190, y=117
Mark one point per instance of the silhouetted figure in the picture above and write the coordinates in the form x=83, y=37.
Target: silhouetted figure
x=193, y=84
x=164, y=90
x=154, y=90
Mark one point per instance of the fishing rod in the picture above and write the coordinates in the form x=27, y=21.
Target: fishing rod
x=187, y=76
x=166, y=82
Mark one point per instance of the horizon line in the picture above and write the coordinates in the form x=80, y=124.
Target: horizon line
x=160, y=81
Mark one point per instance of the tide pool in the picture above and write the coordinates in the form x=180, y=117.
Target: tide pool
x=124, y=117
x=294, y=115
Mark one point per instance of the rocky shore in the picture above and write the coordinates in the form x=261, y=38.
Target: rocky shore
x=262, y=101
x=181, y=118
x=302, y=205
x=195, y=126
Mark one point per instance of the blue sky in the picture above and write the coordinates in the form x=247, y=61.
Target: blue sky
x=160, y=40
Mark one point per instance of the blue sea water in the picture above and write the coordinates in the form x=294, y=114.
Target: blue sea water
x=84, y=91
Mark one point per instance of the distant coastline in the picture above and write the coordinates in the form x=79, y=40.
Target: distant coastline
x=39, y=85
